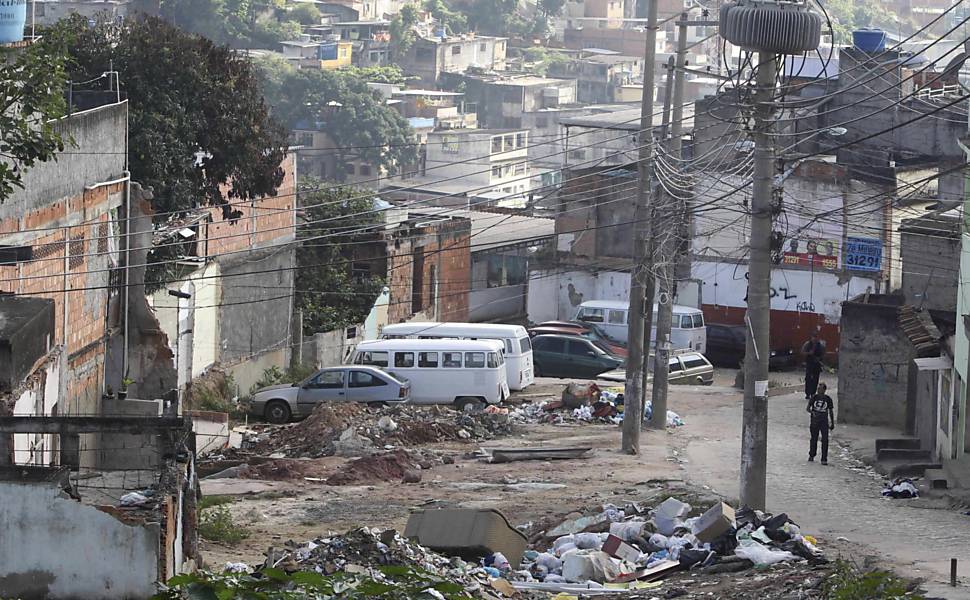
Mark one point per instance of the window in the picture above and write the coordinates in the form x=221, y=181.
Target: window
x=520, y=169
x=693, y=362
x=351, y=169
x=698, y=321
x=577, y=348
x=76, y=250
x=474, y=360
x=508, y=346
x=404, y=359
x=377, y=359
x=375, y=57
x=482, y=47
x=497, y=171
x=451, y=360
x=428, y=360
x=592, y=315
x=577, y=154
x=542, y=122
x=554, y=345
x=494, y=360
x=328, y=380
x=455, y=50
x=103, y=238
x=305, y=139
x=343, y=53
x=508, y=142
x=525, y=344
x=617, y=317
x=675, y=366
x=496, y=144
x=520, y=140
x=365, y=169
x=360, y=379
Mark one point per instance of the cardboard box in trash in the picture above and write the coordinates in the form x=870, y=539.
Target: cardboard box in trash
x=467, y=532
x=709, y=526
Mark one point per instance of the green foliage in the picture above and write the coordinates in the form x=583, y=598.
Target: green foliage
x=197, y=119
x=342, y=106
x=544, y=59
x=32, y=83
x=402, y=34
x=495, y=17
x=277, y=376
x=215, y=393
x=551, y=8
x=850, y=583
x=394, y=583
x=217, y=525
x=384, y=74
x=211, y=501
x=454, y=22
x=848, y=15
x=327, y=292
x=237, y=23
x=305, y=13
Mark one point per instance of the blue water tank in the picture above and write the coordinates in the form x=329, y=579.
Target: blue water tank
x=13, y=16
x=442, y=32
x=867, y=40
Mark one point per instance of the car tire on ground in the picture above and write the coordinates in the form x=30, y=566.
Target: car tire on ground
x=277, y=411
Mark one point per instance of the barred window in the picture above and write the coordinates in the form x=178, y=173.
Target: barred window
x=77, y=252
x=103, y=238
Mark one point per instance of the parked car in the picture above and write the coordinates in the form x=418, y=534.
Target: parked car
x=726, y=347
x=586, y=330
x=358, y=383
x=690, y=368
x=570, y=356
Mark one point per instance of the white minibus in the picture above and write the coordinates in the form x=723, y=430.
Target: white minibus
x=687, y=330
x=442, y=371
x=518, y=345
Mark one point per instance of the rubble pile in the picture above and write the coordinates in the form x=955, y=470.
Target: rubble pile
x=350, y=429
x=584, y=403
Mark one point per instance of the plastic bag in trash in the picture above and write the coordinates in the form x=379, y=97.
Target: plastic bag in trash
x=761, y=555
x=900, y=488
x=236, y=567
x=627, y=531
x=589, y=541
x=133, y=499
x=549, y=562
x=499, y=561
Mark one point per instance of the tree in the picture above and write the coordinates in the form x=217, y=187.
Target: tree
x=32, y=83
x=197, y=118
x=551, y=8
x=342, y=106
x=237, y=23
x=305, y=13
x=453, y=21
x=494, y=17
x=402, y=29
x=330, y=296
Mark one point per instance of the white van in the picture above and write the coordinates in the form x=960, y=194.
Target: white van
x=687, y=331
x=518, y=345
x=456, y=372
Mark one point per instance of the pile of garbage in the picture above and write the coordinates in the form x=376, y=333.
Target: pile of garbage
x=350, y=429
x=900, y=487
x=585, y=403
x=629, y=546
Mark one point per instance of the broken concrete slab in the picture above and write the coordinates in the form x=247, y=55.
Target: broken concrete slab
x=504, y=455
x=467, y=533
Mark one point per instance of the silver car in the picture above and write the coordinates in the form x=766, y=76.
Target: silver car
x=359, y=383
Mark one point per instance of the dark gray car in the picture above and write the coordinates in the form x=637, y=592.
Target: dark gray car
x=358, y=383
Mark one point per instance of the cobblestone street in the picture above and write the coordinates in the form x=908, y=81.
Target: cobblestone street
x=832, y=500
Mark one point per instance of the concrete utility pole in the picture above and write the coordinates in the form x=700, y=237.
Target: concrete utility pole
x=754, y=432
x=672, y=212
x=634, y=388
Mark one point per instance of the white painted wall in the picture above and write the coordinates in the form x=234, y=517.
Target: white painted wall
x=55, y=547
x=38, y=400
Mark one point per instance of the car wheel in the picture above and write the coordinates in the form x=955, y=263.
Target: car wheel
x=467, y=404
x=278, y=412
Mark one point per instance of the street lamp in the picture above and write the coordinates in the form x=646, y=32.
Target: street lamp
x=179, y=295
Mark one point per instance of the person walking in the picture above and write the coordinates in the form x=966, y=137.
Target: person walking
x=822, y=409
x=813, y=351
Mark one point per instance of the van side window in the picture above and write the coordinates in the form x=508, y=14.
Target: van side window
x=591, y=315
x=617, y=317
x=378, y=359
x=451, y=360
x=404, y=359
x=494, y=360
x=428, y=360
x=686, y=322
x=525, y=344
x=694, y=362
x=508, y=346
x=698, y=321
x=474, y=360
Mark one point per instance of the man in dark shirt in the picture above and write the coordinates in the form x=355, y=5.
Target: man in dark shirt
x=814, y=351
x=822, y=409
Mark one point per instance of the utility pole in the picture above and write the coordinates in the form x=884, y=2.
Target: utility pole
x=754, y=431
x=634, y=388
x=670, y=211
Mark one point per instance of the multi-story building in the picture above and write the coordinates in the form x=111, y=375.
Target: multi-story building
x=429, y=57
x=501, y=99
x=327, y=55
x=601, y=76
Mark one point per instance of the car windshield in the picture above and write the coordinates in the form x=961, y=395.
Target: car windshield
x=595, y=333
x=602, y=346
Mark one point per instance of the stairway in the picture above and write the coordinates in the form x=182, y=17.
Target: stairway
x=903, y=457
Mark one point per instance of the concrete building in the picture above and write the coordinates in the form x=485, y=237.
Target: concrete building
x=600, y=77
x=47, y=12
x=240, y=283
x=371, y=41
x=471, y=167
x=930, y=259
x=501, y=99
x=428, y=57
x=311, y=54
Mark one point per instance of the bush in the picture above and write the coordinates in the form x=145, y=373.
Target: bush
x=277, y=376
x=215, y=391
x=210, y=501
x=216, y=525
x=848, y=582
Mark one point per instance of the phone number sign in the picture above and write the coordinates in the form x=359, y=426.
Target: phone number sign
x=863, y=254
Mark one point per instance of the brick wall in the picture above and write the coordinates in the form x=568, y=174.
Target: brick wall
x=264, y=221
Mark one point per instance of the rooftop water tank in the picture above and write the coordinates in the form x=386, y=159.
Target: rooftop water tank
x=869, y=40
x=13, y=16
